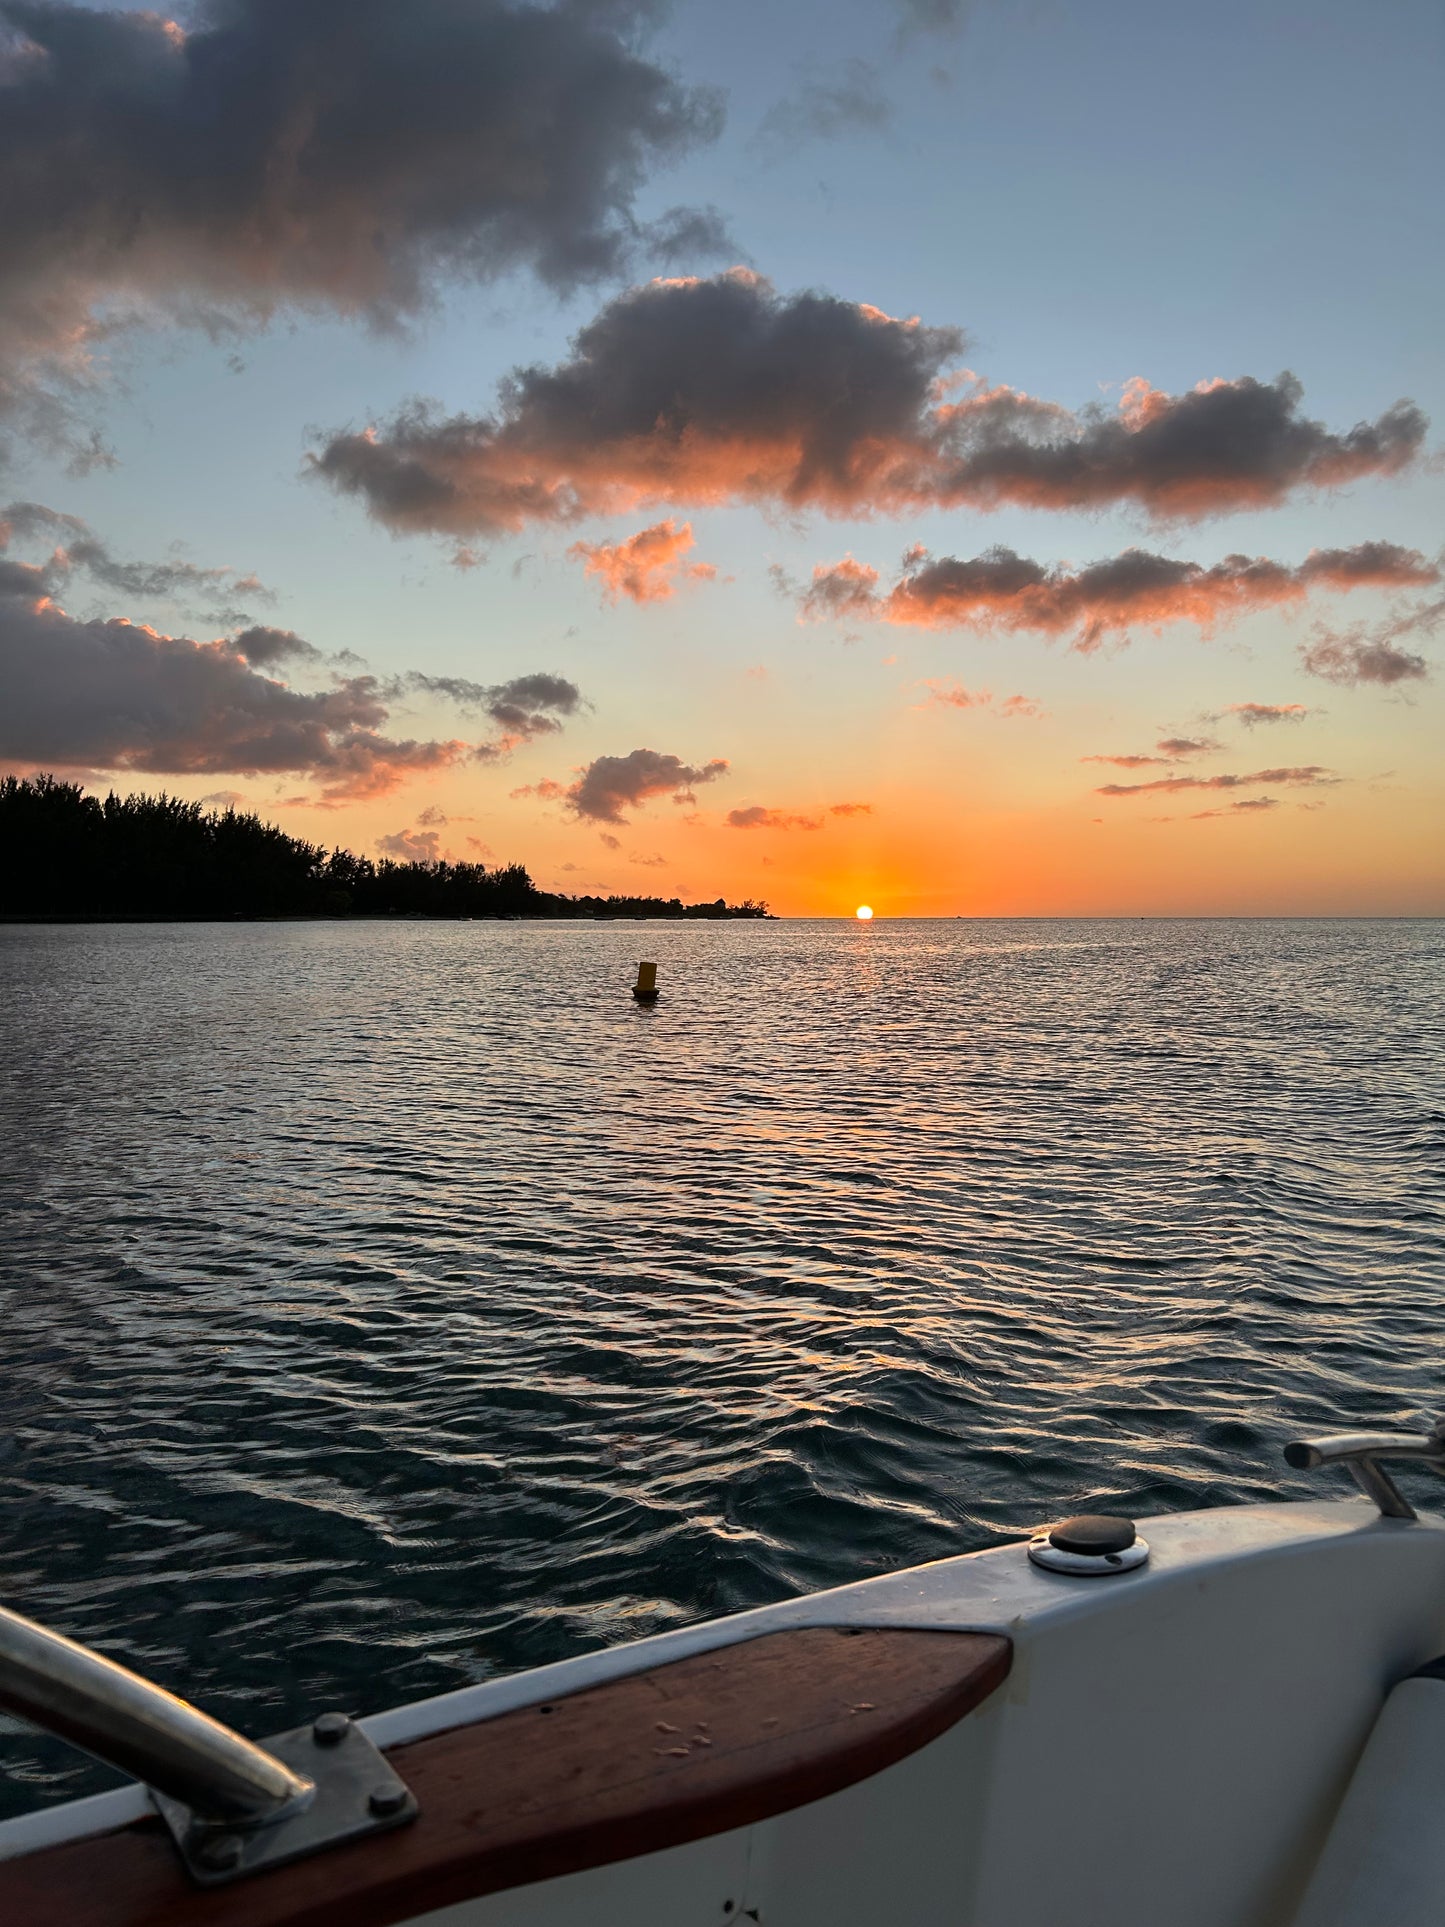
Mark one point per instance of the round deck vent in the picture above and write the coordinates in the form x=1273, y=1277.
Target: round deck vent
x=1095, y=1545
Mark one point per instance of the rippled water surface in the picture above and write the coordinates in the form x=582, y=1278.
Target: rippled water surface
x=388, y=1306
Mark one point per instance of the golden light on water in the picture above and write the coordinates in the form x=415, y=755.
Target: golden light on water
x=863, y=912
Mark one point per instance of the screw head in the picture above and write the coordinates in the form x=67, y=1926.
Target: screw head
x=387, y=1800
x=330, y=1728
x=219, y=1852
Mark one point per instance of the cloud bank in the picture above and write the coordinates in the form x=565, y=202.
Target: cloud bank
x=114, y=695
x=339, y=155
x=1000, y=590
x=109, y=694
x=694, y=391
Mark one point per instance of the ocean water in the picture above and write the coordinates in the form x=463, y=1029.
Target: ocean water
x=389, y=1306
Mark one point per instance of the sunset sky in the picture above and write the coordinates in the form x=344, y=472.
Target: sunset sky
x=969, y=459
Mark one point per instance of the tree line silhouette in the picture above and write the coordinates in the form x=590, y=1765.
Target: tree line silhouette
x=66, y=854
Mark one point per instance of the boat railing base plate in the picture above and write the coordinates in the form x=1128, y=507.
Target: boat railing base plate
x=357, y=1793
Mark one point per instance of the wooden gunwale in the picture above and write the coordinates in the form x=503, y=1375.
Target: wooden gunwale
x=697, y=1746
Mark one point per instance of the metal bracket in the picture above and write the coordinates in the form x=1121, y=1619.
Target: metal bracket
x=1361, y=1452
x=356, y=1793
x=233, y=1807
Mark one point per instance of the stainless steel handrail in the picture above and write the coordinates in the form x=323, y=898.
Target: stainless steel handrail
x=124, y=1720
x=1361, y=1452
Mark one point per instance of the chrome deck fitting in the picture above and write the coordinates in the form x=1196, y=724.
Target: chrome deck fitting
x=232, y=1807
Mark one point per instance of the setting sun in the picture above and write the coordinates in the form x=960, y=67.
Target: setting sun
x=863, y=913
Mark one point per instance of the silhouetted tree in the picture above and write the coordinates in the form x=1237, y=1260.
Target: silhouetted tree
x=66, y=854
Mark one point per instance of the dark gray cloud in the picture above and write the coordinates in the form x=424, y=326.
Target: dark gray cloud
x=1002, y=590
x=1253, y=714
x=112, y=695
x=1371, y=565
x=342, y=155
x=1372, y=653
x=720, y=390
x=756, y=817
x=264, y=647
x=523, y=709
x=75, y=549
x=1357, y=658
x=702, y=390
x=1222, y=446
x=612, y=784
x=1171, y=749
x=1246, y=804
x=116, y=695
x=1308, y=775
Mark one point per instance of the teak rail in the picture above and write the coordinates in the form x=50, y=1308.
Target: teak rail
x=683, y=1750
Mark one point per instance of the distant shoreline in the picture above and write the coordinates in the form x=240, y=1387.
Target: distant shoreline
x=66, y=857
x=705, y=914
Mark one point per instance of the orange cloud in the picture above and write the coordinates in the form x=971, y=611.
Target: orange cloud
x=646, y=567
x=847, y=588
x=953, y=695
x=695, y=391
x=1002, y=590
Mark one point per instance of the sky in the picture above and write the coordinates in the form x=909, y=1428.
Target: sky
x=968, y=459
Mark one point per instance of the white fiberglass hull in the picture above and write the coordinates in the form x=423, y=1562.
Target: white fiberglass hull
x=1169, y=1748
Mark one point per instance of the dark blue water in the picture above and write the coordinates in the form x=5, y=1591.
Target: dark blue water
x=389, y=1306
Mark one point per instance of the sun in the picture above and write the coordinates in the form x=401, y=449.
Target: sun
x=863, y=913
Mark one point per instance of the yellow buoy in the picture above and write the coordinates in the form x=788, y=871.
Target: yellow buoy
x=645, y=989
